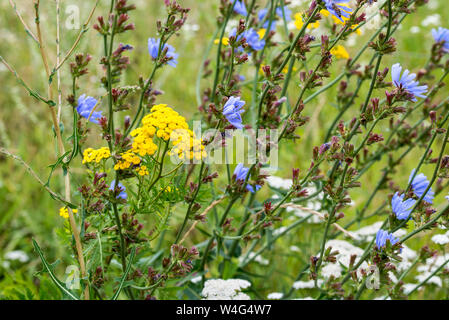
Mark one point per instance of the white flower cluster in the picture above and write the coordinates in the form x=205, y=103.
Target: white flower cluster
x=306, y=284
x=17, y=255
x=219, y=289
x=275, y=296
x=279, y=183
x=441, y=239
x=432, y=264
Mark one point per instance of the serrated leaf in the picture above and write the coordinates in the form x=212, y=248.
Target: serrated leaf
x=53, y=277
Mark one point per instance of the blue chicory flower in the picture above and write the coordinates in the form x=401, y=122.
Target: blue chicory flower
x=252, y=38
x=85, y=106
x=382, y=236
x=240, y=173
x=442, y=35
x=419, y=186
x=122, y=195
x=406, y=82
x=153, y=48
x=232, y=110
x=240, y=8
x=401, y=208
x=338, y=10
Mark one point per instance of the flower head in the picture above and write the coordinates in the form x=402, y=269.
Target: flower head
x=240, y=173
x=442, y=35
x=382, y=236
x=153, y=48
x=240, y=8
x=401, y=208
x=254, y=39
x=406, y=82
x=122, y=194
x=86, y=107
x=232, y=110
x=337, y=9
x=419, y=186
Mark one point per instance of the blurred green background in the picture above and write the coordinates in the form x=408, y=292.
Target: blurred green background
x=27, y=211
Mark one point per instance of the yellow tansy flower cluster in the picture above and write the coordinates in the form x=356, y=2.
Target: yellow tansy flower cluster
x=64, y=212
x=128, y=159
x=142, y=171
x=92, y=155
x=162, y=120
x=187, y=146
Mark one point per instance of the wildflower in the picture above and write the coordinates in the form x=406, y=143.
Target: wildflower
x=338, y=10
x=447, y=198
x=299, y=22
x=382, y=236
x=17, y=255
x=405, y=82
x=86, y=107
x=279, y=183
x=142, y=171
x=224, y=41
x=275, y=296
x=442, y=35
x=340, y=52
x=440, y=239
x=219, y=289
x=419, y=186
x=127, y=160
x=240, y=8
x=91, y=155
x=232, y=110
x=240, y=173
x=254, y=39
x=64, y=212
x=153, y=48
x=122, y=194
x=402, y=208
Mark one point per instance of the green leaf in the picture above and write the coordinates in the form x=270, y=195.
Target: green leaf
x=55, y=280
x=125, y=275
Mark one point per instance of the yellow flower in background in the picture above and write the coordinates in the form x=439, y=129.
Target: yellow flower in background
x=64, y=212
x=299, y=23
x=340, y=52
x=354, y=26
x=324, y=13
x=262, y=33
x=224, y=41
x=91, y=155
